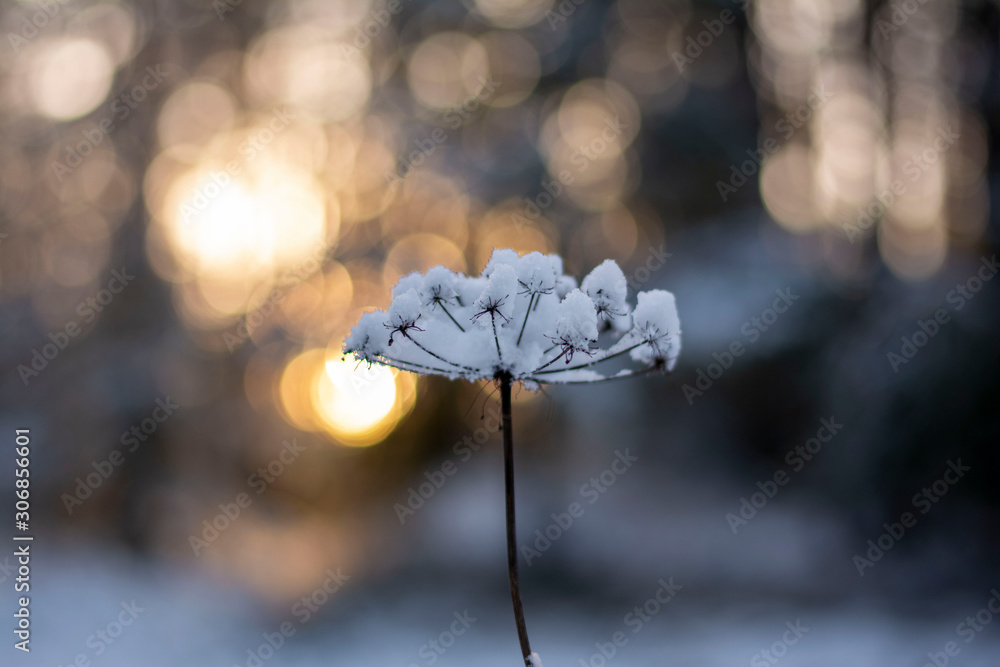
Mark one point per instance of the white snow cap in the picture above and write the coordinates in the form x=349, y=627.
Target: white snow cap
x=607, y=287
x=406, y=283
x=500, y=256
x=541, y=320
x=576, y=323
x=655, y=320
x=565, y=285
x=369, y=336
x=536, y=273
x=439, y=286
x=496, y=303
x=404, y=310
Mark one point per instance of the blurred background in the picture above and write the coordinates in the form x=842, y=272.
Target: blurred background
x=198, y=199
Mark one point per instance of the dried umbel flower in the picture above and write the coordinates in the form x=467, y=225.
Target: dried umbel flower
x=522, y=321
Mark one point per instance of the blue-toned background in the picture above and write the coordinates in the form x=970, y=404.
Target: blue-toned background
x=198, y=199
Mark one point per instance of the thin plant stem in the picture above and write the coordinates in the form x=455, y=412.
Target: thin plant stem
x=495, y=339
x=549, y=362
x=400, y=364
x=436, y=356
x=508, y=466
x=441, y=303
x=526, y=313
x=592, y=362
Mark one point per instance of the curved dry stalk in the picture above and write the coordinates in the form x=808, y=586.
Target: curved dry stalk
x=508, y=466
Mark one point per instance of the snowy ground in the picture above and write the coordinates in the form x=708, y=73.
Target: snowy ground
x=183, y=619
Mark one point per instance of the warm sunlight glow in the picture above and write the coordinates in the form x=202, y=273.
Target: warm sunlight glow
x=356, y=401
x=72, y=77
x=357, y=405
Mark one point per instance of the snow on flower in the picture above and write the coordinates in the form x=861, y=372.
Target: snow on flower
x=438, y=287
x=404, y=311
x=576, y=324
x=655, y=320
x=367, y=339
x=523, y=319
x=607, y=287
x=536, y=273
x=497, y=300
x=410, y=281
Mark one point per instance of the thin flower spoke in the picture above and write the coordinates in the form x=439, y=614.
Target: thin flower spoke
x=460, y=327
x=414, y=366
x=526, y=313
x=549, y=362
x=495, y=338
x=435, y=355
x=589, y=363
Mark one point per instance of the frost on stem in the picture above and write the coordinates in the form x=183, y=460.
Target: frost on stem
x=523, y=316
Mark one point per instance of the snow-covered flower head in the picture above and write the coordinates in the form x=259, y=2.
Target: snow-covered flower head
x=438, y=287
x=656, y=321
x=497, y=300
x=522, y=319
x=607, y=287
x=576, y=324
x=537, y=273
x=367, y=340
x=404, y=311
